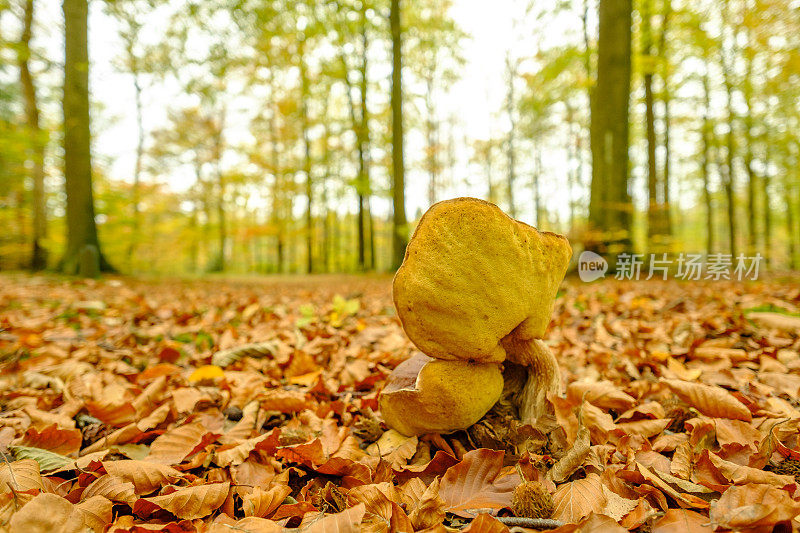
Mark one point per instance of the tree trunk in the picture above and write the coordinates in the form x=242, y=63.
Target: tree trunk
x=729, y=173
x=137, y=172
x=304, y=96
x=81, y=227
x=511, y=71
x=610, y=206
x=431, y=135
x=653, y=205
x=706, y=163
x=399, y=231
x=748, y=155
x=221, y=191
x=666, y=218
x=38, y=253
x=365, y=137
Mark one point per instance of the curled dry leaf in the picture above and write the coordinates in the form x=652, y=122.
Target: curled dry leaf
x=111, y=487
x=175, y=445
x=484, y=523
x=753, y=505
x=145, y=476
x=348, y=521
x=187, y=503
x=682, y=521
x=262, y=503
x=20, y=476
x=711, y=401
x=603, y=394
x=573, y=459
x=479, y=481
x=576, y=499
x=48, y=513
x=63, y=441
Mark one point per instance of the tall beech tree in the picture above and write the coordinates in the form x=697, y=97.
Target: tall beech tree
x=83, y=254
x=610, y=205
x=399, y=230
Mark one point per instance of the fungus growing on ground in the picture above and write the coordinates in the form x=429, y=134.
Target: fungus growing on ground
x=476, y=288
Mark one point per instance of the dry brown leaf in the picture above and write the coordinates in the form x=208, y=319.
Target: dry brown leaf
x=187, y=503
x=96, y=512
x=348, y=521
x=576, y=499
x=21, y=476
x=478, y=482
x=603, y=394
x=753, y=505
x=682, y=521
x=573, y=459
x=175, y=445
x=48, y=513
x=484, y=523
x=59, y=440
x=111, y=487
x=787, y=323
x=711, y=401
x=145, y=476
x=262, y=503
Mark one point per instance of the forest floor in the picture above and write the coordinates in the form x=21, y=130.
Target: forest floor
x=251, y=405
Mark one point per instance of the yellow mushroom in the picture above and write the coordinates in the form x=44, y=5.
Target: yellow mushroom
x=478, y=286
x=426, y=395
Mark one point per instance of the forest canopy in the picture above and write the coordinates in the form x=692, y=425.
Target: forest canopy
x=285, y=136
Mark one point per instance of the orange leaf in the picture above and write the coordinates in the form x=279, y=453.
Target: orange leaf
x=682, y=521
x=478, y=482
x=485, y=523
x=711, y=401
x=53, y=438
x=594, y=523
x=21, y=476
x=578, y=498
x=187, y=503
x=145, y=475
x=752, y=506
x=48, y=512
x=112, y=414
x=111, y=487
x=176, y=444
x=348, y=521
x=262, y=502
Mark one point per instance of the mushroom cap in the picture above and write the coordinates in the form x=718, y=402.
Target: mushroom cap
x=426, y=395
x=472, y=275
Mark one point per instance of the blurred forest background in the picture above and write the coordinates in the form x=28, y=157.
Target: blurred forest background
x=309, y=136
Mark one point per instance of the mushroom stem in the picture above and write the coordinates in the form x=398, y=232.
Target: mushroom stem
x=543, y=376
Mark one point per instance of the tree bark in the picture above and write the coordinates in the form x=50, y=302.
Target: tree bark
x=399, y=231
x=653, y=205
x=304, y=96
x=729, y=173
x=81, y=227
x=511, y=71
x=706, y=163
x=610, y=206
x=38, y=252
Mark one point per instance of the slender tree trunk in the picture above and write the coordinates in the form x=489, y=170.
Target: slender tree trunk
x=431, y=135
x=83, y=246
x=610, y=206
x=765, y=207
x=666, y=216
x=653, y=205
x=325, y=257
x=38, y=253
x=137, y=172
x=399, y=231
x=304, y=96
x=221, y=191
x=277, y=184
x=748, y=156
x=537, y=204
x=729, y=174
x=365, y=136
x=511, y=72
x=706, y=163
